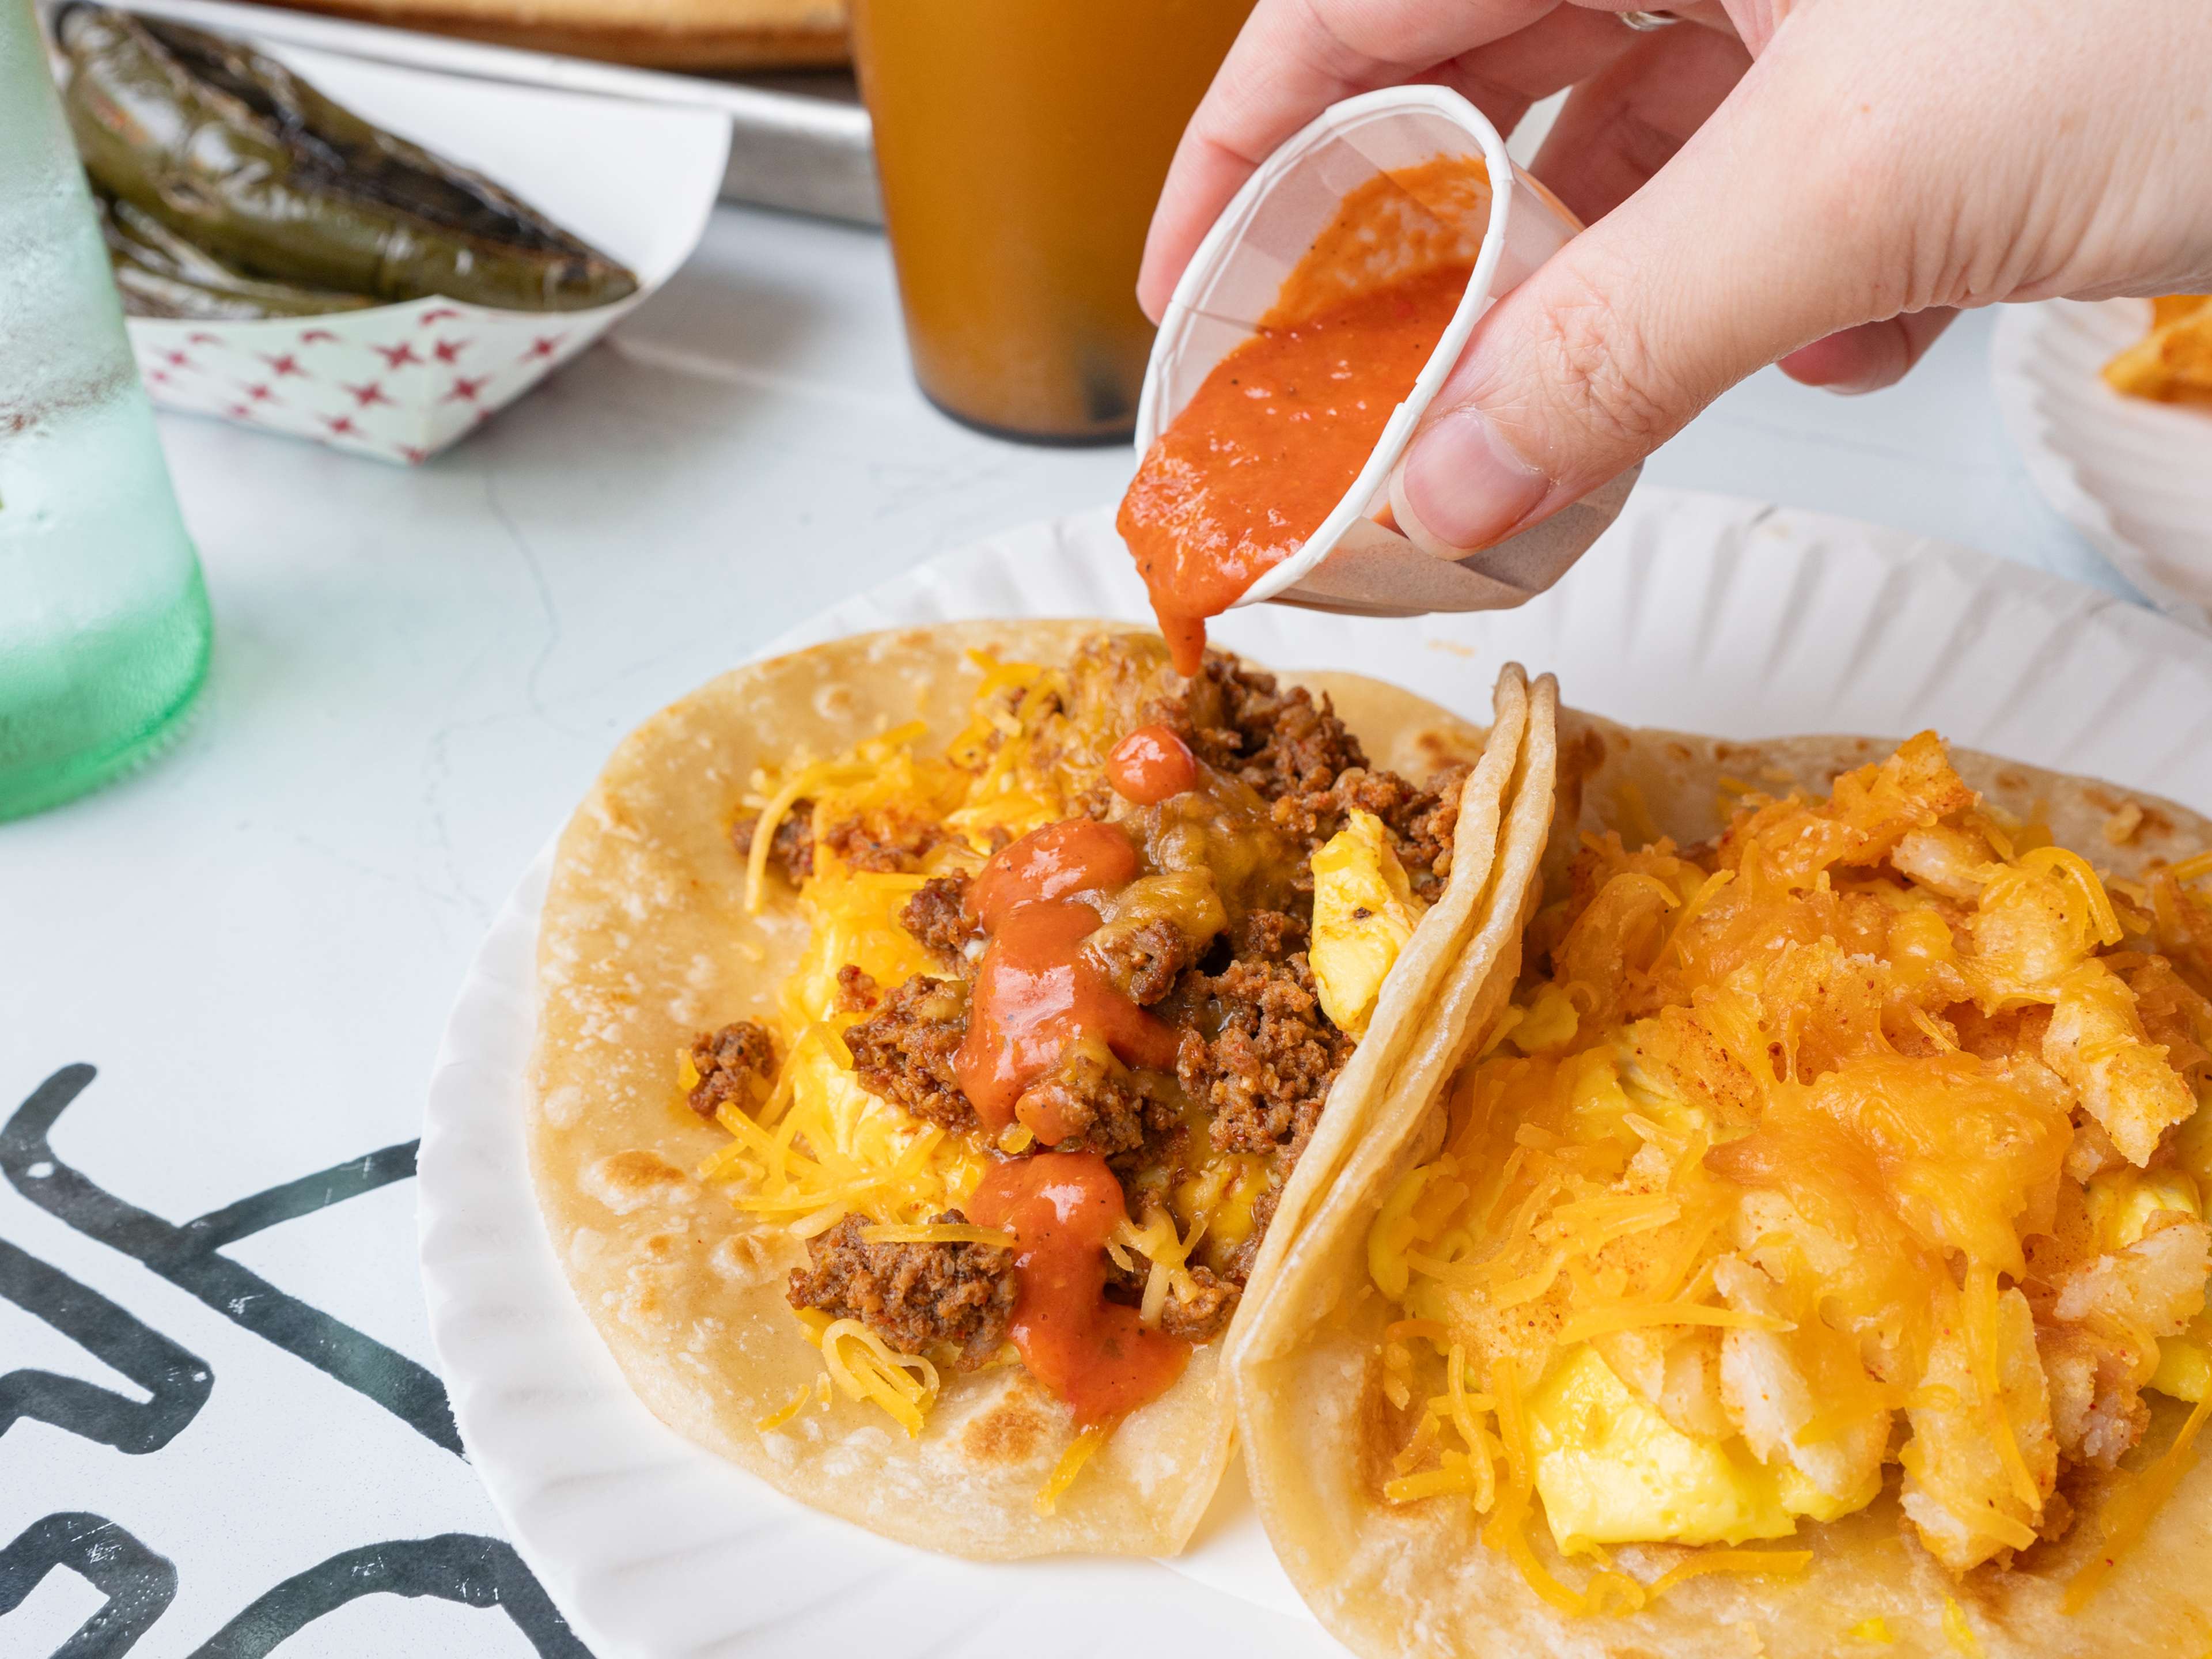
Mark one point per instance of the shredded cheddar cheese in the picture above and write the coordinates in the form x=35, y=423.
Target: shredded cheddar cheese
x=2129, y=1513
x=1079, y=1452
x=783, y=1414
x=864, y=1367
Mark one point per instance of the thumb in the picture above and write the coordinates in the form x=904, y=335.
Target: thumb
x=1747, y=246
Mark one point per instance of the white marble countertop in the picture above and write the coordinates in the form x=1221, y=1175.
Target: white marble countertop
x=417, y=673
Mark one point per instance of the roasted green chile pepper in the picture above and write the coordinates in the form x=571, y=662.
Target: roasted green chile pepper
x=237, y=154
x=159, y=274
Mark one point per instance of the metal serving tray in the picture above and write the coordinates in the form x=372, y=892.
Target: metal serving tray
x=799, y=141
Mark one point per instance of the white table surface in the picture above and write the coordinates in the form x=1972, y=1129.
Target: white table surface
x=417, y=674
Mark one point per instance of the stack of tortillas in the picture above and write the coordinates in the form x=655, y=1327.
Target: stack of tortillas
x=690, y=34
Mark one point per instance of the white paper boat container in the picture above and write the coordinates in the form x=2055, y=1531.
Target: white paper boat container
x=1232, y=282
x=401, y=382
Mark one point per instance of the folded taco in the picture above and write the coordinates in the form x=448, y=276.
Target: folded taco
x=942, y=1032
x=1802, y=1250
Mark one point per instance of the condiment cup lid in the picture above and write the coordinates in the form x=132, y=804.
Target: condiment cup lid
x=1351, y=562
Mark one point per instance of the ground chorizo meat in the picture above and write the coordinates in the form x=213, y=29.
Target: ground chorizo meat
x=736, y=1064
x=1268, y=934
x=857, y=990
x=1299, y=757
x=1237, y=720
x=1099, y=1105
x=791, y=849
x=1201, y=1318
x=879, y=843
x=903, y=1052
x=1265, y=1072
x=915, y=1296
x=937, y=915
x=1144, y=961
x=1419, y=821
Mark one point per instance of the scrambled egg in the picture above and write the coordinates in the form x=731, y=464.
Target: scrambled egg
x=1611, y=1470
x=2121, y=1205
x=1363, y=912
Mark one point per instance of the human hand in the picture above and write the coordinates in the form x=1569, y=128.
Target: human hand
x=1819, y=183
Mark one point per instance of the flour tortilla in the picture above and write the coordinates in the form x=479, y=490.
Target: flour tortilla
x=644, y=943
x=1417, y=1580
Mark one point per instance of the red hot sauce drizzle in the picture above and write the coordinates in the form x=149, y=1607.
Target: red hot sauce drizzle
x=1034, y=993
x=1093, y=1353
x=1034, y=996
x=1150, y=764
x=1279, y=430
x=1269, y=444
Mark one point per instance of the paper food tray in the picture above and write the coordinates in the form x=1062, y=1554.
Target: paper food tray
x=400, y=382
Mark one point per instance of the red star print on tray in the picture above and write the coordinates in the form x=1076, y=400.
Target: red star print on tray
x=341, y=378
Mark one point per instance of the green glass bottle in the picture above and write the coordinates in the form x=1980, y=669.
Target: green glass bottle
x=103, y=627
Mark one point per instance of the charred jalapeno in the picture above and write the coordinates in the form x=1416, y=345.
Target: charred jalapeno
x=159, y=274
x=236, y=154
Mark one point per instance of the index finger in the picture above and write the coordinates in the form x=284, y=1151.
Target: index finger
x=1293, y=59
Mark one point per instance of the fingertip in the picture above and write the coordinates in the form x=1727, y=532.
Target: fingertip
x=1166, y=254
x=1870, y=358
x=1856, y=361
x=1202, y=180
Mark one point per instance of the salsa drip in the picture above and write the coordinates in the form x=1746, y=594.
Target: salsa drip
x=1036, y=998
x=1270, y=443
x=1151, y=764
x=1096, y=1355
x=1035, y=993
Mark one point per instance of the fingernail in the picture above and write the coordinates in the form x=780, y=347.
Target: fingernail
x=1463, y=486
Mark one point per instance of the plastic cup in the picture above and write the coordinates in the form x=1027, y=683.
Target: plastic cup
x=1352, y=563
x=1021, y=145
x=104, y=625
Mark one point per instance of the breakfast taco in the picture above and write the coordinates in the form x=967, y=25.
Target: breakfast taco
x=942, y=1032
x=1804, y=1253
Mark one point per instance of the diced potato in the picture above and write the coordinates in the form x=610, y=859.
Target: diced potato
x=2096, y=1043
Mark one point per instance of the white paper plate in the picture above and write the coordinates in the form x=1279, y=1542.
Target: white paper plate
x=1701, y=612
x=2133, y=476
